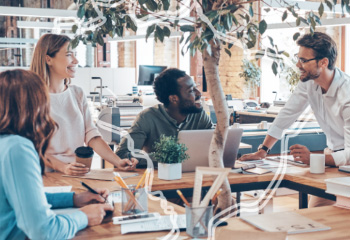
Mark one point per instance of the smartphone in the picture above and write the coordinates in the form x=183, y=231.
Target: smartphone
x=135, y=218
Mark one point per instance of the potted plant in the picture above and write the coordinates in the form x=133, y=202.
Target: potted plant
x=169, y=154
x=251, y=73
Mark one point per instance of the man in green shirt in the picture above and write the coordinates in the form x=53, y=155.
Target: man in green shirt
x=181, y=109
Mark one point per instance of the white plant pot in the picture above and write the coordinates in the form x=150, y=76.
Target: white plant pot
x=169, y=171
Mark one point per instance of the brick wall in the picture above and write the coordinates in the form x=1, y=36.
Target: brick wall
x=229, y=68
x=165, y=54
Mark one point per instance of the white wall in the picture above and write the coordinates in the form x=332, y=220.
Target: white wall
x=119, y=80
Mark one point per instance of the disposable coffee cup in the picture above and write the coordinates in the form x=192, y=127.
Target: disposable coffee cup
x=317, y=163
x=84, y=155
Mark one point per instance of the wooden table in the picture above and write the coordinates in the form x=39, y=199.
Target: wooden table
x=295, y=178
x=334, y=217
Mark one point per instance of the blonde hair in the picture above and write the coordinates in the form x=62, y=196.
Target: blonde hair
x=25, y=109
x=48, y=45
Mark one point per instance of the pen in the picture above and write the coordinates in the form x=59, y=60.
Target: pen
x=91, y=190
x=88, y=188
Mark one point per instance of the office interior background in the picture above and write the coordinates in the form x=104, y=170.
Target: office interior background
x=118, y=61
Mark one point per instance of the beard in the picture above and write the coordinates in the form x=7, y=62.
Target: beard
x=311, y=75
x=188, y=107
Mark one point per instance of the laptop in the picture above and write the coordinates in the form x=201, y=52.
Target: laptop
x=198, y=141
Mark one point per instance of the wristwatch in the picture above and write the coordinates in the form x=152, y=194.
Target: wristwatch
x=263, y=147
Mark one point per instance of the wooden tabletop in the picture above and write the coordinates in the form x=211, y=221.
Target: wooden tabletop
x=293, y=173
x=334, y=217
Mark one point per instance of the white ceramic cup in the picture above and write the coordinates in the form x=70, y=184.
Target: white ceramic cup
x=317, y=163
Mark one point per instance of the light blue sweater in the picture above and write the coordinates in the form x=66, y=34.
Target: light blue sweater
x=24, y=207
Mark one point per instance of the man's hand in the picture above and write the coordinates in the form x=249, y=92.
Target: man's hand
x=96, y=212
x=127, y=165
x=76, y=169
x=254, y=156
x=300, y=153
x=85, y=198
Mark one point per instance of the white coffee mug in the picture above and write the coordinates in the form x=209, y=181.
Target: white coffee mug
x=317, y=163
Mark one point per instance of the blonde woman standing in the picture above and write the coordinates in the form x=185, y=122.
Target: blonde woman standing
x=55, y=62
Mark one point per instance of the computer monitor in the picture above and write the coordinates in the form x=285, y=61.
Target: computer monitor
x=147, y=73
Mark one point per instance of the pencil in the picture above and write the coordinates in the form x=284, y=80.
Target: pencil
x=182, y=197
x=142, y=179
x=216, y=195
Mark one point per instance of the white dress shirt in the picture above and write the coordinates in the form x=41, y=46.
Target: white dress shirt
x=332, y=111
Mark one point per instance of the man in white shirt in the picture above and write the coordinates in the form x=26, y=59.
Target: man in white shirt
x=327, y=90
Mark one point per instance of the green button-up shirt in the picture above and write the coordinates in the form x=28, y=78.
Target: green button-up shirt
x=151, y=123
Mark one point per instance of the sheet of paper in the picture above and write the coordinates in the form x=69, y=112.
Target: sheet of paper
x=57, y=189
x=115, y=197
x=161, y=224
x=290, y=222
x=104, y=174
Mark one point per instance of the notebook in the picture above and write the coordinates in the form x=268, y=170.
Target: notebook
x=198, y=141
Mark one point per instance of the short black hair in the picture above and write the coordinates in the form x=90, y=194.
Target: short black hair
x=166, y=84
x=322, y=45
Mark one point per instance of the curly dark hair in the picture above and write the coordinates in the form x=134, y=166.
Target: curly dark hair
x=166, y=84
x=322, y=45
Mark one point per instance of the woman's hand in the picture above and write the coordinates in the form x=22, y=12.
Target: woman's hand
x=126, y=164
x=85, y=198
x=75, y=169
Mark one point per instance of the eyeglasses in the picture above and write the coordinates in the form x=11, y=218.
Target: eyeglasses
x=302, y=60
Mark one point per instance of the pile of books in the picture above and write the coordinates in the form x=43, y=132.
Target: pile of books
x=341, y=188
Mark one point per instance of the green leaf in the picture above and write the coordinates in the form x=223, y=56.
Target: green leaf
x=151, y=5
x=182, y=38
x=262, y=27
x=286, y=54
x=75, y=42
x=284, y=16
x=271, y=50
x=251, y=12
x=141, y=2
x=187, y=28
x=81, y=11
x=211, y=14
x=329, y=5
x=228, y=52
x=296, y=36
x=250, y=44
x=131, y=23
x=230, y=45
x=297, y=22
x=100, y=40
x=74, y=28
x=274, y=68
x=160, y=33
x=321, y=9
x=334, y=2
x=271, y=41
x=166, y=4
x=166, y=31
x=150, y=30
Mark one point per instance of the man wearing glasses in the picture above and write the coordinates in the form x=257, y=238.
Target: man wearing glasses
x=327, y=90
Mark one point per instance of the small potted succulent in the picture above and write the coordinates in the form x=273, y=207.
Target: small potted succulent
x=169, y=154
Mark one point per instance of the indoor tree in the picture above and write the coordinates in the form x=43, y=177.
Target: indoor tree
x=206, y=26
